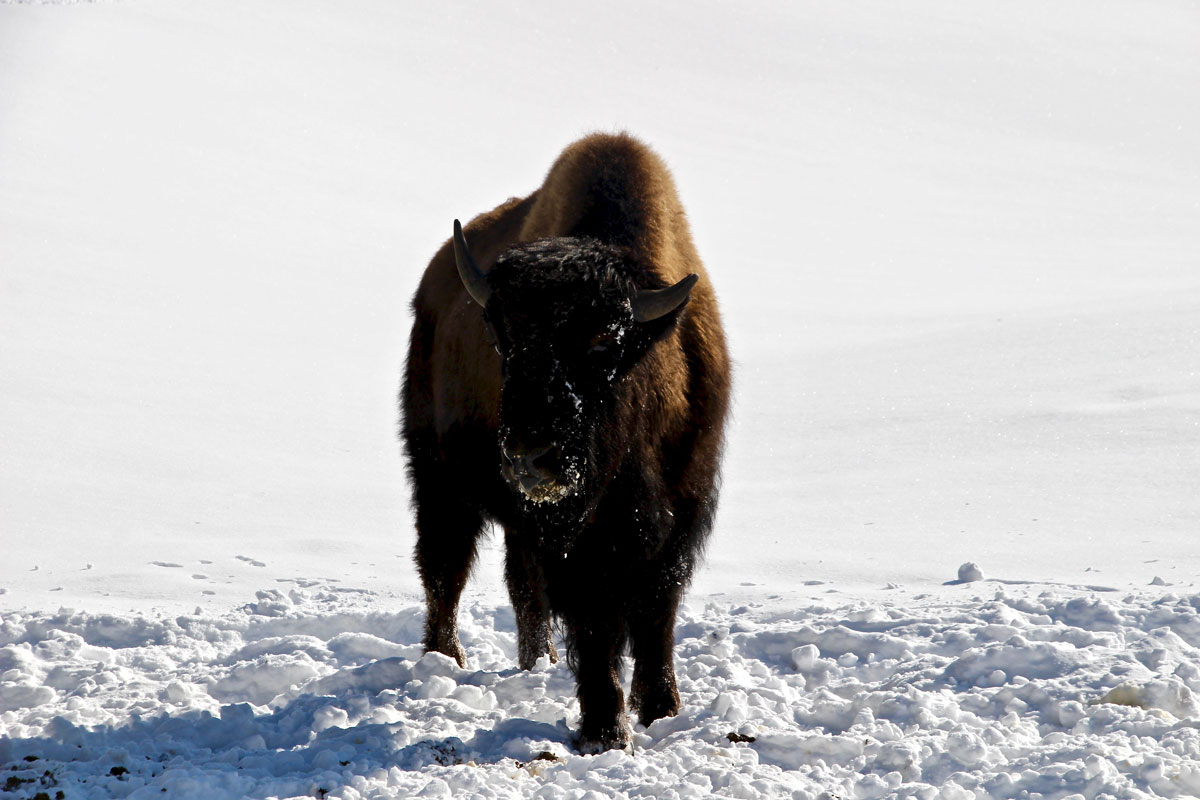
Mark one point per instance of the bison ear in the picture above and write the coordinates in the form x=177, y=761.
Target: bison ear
x=472, y=276
x=650, y=304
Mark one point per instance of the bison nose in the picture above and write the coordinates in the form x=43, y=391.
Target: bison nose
x=533, y=467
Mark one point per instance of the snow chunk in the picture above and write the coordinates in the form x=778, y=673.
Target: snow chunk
x=1170, y=695
x=804, y=657
x=260, y=680
x=359, y=648
x=271, y=603
x=970, y=572
x=15, y=695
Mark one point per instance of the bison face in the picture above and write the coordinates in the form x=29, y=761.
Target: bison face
x=570, y=325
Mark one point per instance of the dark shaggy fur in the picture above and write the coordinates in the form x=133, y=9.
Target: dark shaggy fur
x=627, y=416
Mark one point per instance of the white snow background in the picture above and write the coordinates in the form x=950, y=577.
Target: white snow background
x=958, y=251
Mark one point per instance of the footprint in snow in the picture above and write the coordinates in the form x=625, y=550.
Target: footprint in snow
x=251, y=561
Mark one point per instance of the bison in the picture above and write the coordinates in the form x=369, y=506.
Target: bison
x=567, y=378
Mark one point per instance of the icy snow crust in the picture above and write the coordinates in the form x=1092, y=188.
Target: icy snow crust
x=953, y=696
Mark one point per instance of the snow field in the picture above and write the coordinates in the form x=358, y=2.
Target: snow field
x=1017, y=692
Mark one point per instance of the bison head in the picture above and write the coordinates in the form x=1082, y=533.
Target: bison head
x=570, y=326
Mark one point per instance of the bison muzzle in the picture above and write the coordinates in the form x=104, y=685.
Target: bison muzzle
x=567, y=378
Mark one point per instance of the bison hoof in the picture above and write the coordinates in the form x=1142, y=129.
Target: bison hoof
x=648, y=716
x=617, y=737
x=528, y=660
x=652, y=708
x=452, y=649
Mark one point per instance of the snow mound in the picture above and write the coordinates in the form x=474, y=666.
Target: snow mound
x=1171, y=696
x=324, y=694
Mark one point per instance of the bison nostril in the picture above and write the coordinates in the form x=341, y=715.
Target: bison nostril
x=544, y=459
x=536, y=464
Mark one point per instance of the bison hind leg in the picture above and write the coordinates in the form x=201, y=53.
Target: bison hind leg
x=448, y=530
x=527, y=591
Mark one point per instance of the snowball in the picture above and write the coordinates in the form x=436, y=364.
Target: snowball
x=969, y=572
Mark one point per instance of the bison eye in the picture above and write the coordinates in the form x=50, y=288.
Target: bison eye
x=491, y=335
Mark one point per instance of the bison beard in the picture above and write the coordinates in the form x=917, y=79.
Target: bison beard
x=567, y=378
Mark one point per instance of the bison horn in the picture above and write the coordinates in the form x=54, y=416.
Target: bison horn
x=650, y=304
x=472, y=276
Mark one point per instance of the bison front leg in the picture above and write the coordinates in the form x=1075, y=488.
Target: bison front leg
x=653, y=693
x=596, y=654
x=446, y=538
x=527, y=590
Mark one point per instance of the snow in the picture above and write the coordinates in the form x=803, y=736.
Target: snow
x=1005, y=693
x=956, y=249
x=970, y=571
